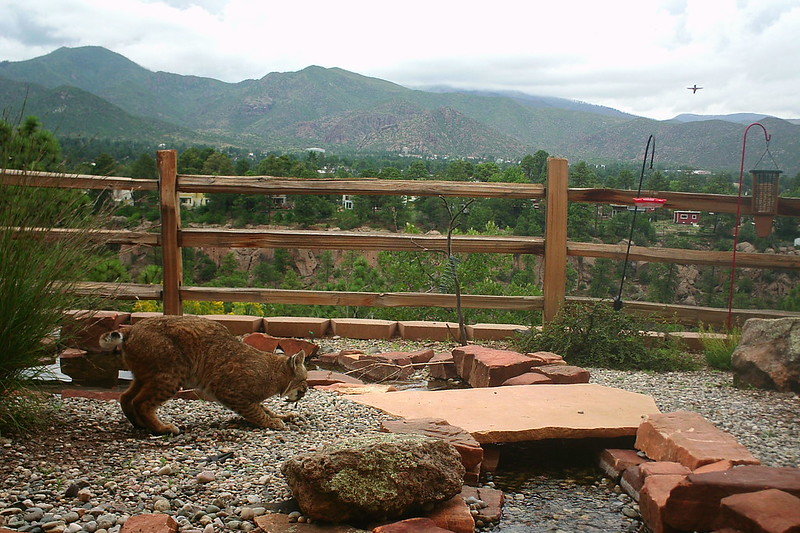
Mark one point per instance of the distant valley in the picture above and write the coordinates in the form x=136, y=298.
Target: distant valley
x=94, y=93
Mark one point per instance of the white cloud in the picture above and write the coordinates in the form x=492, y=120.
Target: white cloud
x=636, y=56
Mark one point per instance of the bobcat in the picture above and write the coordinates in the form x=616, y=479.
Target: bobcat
x=167, y=353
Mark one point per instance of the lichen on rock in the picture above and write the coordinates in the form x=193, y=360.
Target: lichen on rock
x=374, y=477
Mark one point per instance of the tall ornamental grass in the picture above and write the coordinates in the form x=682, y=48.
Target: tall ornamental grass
x=37, y=273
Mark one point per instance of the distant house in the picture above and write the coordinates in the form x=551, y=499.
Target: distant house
x=192, y=199
x=686, y=217
x=347, y=201
x=122, y=197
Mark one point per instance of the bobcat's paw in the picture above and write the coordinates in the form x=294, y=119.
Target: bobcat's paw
x=167, y=429
x=275, y=423
x=287, y=417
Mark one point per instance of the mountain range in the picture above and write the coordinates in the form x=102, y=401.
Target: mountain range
x=93, y=92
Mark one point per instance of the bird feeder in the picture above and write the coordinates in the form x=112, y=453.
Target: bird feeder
x=765, y=199
x=649, y=203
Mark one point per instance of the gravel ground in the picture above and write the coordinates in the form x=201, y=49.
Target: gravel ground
x=219, y=473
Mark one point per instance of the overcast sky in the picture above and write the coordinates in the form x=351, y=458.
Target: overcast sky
x=635, y=55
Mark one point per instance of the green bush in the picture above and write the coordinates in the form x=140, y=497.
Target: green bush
x=37, y=275
x=718, y=351
x=596, y=335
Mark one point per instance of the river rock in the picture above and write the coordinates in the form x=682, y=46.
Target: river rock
x=768, y=356
x=374, y=477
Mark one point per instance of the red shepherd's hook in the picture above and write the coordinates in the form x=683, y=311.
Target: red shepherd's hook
x=767, y=136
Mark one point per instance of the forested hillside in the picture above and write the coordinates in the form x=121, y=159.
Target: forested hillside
x=93, y=92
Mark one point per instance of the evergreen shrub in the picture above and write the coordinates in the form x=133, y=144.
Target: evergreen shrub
x=595, y=335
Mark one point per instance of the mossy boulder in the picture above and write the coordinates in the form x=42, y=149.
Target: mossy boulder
x=375, y=477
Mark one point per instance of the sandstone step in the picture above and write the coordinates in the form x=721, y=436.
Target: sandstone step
x=520, y=413
x=690, y=439
x=494, y=332
x=695, y=502
x=416, y=330
x=528, y=378
x=488, y=367
x=441, y=366
x=82, y=328
x=470, y=450
x=290, y=346
x=296, y=326
x=453, y=515
x=364, y=328
x=768, y=511
x=563, y=373
x=238, y=324
x=653, y=500
x=328, y=377
x=614, y=461
x=93, y=369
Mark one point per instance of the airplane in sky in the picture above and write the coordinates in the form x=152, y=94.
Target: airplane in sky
x=694, y=89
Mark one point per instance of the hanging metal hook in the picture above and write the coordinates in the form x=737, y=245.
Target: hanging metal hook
x=767, y=137
x=618, y=300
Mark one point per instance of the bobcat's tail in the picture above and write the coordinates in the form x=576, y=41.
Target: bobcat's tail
x=111, y=339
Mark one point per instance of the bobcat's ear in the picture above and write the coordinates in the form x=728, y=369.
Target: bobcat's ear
x=297, y=360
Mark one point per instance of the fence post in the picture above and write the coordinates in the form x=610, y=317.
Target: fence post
x=555, y=237
x=170, y=232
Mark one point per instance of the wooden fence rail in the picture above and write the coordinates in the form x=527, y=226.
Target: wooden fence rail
x=554, y=246
x=504, y=244
x=716, y=203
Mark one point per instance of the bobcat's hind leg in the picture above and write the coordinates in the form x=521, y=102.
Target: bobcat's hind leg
x=258, y=415
x=126, y=402
x=150, y=397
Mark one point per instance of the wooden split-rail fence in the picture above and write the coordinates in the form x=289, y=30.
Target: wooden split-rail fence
x=554, y=246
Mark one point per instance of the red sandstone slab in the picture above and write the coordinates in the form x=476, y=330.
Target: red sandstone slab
x=411, y=525
x=354, y=389
x=328, y=377
x=770, y=511
x=528, y=378
x=238, y=324
x=364, y=328
x=689, y=439
x=491, y=458
x=279, y=523
x=694, y=503
x=379, y=367
x=632, y=481
x=493, y=498
x=487, y=367
x=520, y=413
x=91, y=368
x=82, y=328
x=719, y=466
x=653, y=500
x=453, y=515
x=563, y=373
x=296, y=326
x=441, y=366
x=546, y=358
x=614, y=461
x=262, y=341
x=494, y=332
x=290, y=346
x=663, y=468
x=150, y=523
x=470, y=450
x=415, y=330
